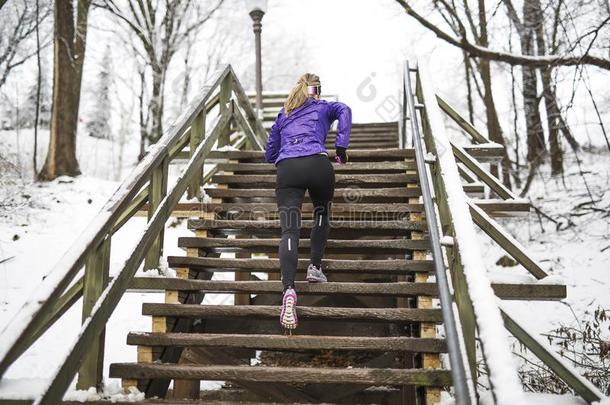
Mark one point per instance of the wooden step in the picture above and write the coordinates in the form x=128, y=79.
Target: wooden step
x=165, y=402
x=355, y=155
x=352, y=195
x=396, y=266
x=296, y=342
x=304, y=312
x=482, y=152
x=338, y=244
x=367, y=167
x=366, y=145
x=341, y=180
x=303, y=375
x=396, y=289
x=505, y=291
x=380, y=246
x=249, y=210
x=397, y=225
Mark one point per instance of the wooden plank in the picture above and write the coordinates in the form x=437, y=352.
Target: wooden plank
x=481, y=173
x=261, y=287
x=476, y=136
x=484, y=153
x=331, y=244
x=370, y=154
x=246, y=106
x=365, y=376
x=157, y=189
x=165, y=402
x=297, y=342
x=225, y=107
x=340, y=179
x=341, y=194
x=285, y=393
x=566, y=373
x=397, y=225
x=305, y=312
x=196, y=136
x=373, y=210
x=527, y=292
x=332, y=265
x=134, y=207
x=95, y=281
x=255, y=142
x=397, y=166
x=506, y=241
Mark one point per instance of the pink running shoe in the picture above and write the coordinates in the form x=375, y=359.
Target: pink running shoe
x=288, y=316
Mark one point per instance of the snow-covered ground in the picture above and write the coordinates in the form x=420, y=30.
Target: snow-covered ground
x=578, y=254
x=38, y=222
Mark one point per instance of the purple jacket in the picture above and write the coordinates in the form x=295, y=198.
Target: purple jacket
x=303, y=132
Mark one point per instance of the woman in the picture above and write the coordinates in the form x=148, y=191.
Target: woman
x=296, y=147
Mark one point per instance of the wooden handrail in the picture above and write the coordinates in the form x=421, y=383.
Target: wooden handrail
x=474, y=296
x=51, y=301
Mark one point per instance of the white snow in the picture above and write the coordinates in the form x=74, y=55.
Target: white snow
x=113, y=392
x=493, y=335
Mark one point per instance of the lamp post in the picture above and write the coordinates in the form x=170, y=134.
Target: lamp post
x=257, y=11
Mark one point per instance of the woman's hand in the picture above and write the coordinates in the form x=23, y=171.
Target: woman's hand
x=341, y=156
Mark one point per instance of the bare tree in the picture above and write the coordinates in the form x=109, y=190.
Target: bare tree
x=159, y=29
x=69, y=55
x=463, y=42
x=18, y=24
x=467, y=26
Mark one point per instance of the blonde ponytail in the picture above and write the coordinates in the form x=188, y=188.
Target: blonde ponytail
x=298, y=94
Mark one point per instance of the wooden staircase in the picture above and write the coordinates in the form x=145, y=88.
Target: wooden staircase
x=405, y=293
x=360, y=330
x=374, y=325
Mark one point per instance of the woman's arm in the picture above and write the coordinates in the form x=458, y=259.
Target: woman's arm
x=272, y=149
x=342, y=113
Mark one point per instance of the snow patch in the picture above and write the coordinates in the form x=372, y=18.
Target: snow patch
x=112, y=392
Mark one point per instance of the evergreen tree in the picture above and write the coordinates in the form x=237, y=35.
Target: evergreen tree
x=99, y=124
x=28, y=114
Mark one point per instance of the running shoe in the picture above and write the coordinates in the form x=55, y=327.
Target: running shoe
x=315, y=274
x=288, y=316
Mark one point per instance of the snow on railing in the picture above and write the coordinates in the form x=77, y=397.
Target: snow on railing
x=493, y=336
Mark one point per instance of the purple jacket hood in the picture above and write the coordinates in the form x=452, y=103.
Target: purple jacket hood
x=303, y=132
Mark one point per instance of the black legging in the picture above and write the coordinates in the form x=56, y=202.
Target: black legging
x=295, y=175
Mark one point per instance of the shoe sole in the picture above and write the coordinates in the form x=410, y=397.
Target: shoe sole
x=316, y=280
x=291, y=324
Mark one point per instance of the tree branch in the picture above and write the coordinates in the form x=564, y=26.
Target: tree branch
x=512, y=59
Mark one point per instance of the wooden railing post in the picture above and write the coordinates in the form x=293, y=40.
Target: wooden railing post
x=225, y=97
x=95, y=281
x=157, y=189
x=197, y=135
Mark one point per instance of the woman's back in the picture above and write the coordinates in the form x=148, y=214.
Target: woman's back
x=303, y=131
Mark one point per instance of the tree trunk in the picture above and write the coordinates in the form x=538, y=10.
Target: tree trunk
x=143, y=120
x=533, y=122
x=468, y=87
x=550, y=102
x=61, y=156
x=493, y=124
x=156, y=103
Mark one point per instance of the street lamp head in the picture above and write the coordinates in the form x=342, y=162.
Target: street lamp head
x=257, y=7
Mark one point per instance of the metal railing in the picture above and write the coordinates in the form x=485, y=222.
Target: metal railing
x=422, y=108
x=460, y=371
x=147, y=184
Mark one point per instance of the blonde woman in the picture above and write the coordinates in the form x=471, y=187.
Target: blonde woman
x=296, y=147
